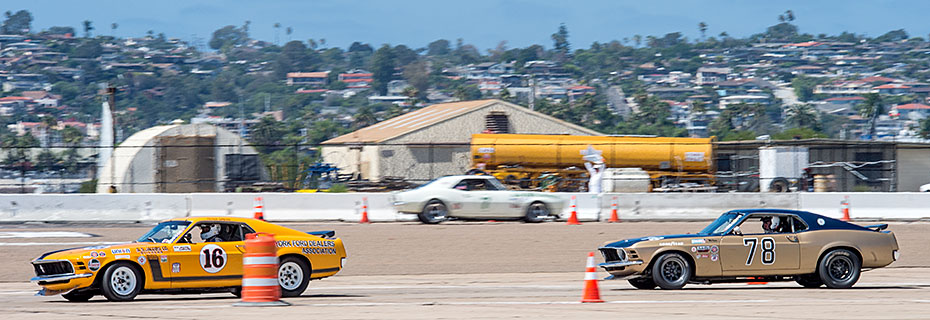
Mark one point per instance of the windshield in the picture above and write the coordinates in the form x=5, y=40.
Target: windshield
x=721, y=224
x=165, y=232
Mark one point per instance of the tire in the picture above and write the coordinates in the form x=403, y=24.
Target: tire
x=671, y=271
x=809, y=281
x=839, y=269
x=121, y=282
x=433, y=212
x=643, y=283
x=75, y=296
x=779, y=185
x=293, y=276
x=536, y=212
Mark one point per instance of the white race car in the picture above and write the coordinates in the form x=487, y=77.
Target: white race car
x=475, y=197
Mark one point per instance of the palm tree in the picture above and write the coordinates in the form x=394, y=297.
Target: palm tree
x=288, y=32
x=277, y=27
x=88, y=27
x=113, y=27
x=703, y=28
x=801, y=116
x=871, y=108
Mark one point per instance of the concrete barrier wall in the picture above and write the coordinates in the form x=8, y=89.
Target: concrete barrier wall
x=347, y=206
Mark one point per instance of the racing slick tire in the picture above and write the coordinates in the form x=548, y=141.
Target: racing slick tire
x=433, y=212
x=121, y=282
x=643, y=283
x=293, y=276
x=76, y=296
x=671, y=271
x=809, y=281
x=839, y=269
x=536, y=212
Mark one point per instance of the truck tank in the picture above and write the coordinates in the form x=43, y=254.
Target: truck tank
x=563, y=151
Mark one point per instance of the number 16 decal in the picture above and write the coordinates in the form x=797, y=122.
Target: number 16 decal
x=212, y=258
x=768, y=250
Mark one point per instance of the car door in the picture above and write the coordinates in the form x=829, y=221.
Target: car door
x=203, y=263
x=754, y=252
x=471, y=193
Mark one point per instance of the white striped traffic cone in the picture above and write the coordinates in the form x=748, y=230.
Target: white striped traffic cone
x=591, y=292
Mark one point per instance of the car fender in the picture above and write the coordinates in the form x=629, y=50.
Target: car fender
x=839, y=244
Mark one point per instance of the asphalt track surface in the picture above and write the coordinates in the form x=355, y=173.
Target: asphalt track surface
x=480, y=270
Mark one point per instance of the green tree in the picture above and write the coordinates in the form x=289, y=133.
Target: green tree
x=17, y=23
x=417, y=76
x=804, y=86
x=88, y=27
x=702, y=27
x=439, y=47
x=364, y=117
x=560, y=41
x=382, y=67
x=925, y=128
x=802, y=116
x=72, y=136
x=267, y=134
x=228, y=36
x=871, y=108
x=798, y=133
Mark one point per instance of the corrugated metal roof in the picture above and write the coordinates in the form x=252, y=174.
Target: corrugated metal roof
x=409, y=122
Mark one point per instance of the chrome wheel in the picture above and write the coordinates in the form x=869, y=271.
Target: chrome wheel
x=536, y=212
x=290, y=275
x=123, y=281
x=434, y=212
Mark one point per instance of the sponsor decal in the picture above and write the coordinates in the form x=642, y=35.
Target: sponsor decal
x=697, y=241
x=672, y=243
x=486, y=150
x=693, y=249
x=714, y=249
x=120, y=251
x=141, y=259
x=152, y=250
x=102, y=254
x=698, y=256
x=694, y=156
x=820, y=221
x=87, y=257
x=93, y=254
x=163, y=259
x=713, y=257
x=212, y=258
x=654, y=238
x=175, y=267
x=122, y=256
x=184, y=248
x=310, y=246
x=701, y=248
x=93, y=265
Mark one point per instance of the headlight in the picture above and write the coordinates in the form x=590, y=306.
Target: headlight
x=896, y=255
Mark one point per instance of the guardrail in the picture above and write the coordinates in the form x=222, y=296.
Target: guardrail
x=346, y=206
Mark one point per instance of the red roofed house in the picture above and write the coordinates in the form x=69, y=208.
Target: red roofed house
x=42, y=98
x=357, y=79
x=808, y=44
x=893, y=88
x=913, y=111
x=311, y=79
x=581, y=90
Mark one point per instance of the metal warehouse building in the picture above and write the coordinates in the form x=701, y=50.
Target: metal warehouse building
x=434, y=141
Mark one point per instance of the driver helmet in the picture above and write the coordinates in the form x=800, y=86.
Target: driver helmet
x=208, y=231
x=775, y=221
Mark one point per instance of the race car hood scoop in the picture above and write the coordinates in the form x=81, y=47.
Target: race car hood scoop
x=629, y=242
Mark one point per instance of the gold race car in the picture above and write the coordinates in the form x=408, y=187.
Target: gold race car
x=186, y=255
x=755, y=245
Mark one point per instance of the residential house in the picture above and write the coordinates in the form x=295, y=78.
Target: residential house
x=357, y=79
x=912, y=111
x=893, y=89
x=42, y=98
x=747, y=99
x=708, y=75
x=309, y=79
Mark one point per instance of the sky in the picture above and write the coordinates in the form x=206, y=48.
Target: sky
x=483, y=23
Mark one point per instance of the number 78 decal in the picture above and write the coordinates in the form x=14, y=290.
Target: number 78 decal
x=768, y=250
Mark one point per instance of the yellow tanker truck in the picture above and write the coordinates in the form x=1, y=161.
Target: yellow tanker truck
x=554, y=162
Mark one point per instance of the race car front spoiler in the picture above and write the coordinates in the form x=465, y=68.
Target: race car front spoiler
x=610, y=265
x=59, y=277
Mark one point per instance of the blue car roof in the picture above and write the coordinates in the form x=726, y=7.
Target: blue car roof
x=812, y=219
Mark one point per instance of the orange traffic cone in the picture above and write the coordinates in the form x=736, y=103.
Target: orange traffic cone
x=573, y=219
x=844, y=207
x=260, y=286
x=364, y=211
x=591, y=292
x=613, y=212
x=757, y=282
x=259, y=205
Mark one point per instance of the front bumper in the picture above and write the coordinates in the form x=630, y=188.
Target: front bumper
x=619, y=269
x=59, y=278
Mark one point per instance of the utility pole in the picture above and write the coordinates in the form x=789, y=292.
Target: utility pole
x=111, y=92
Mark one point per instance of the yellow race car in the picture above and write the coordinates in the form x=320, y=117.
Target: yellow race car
x=186, y=255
